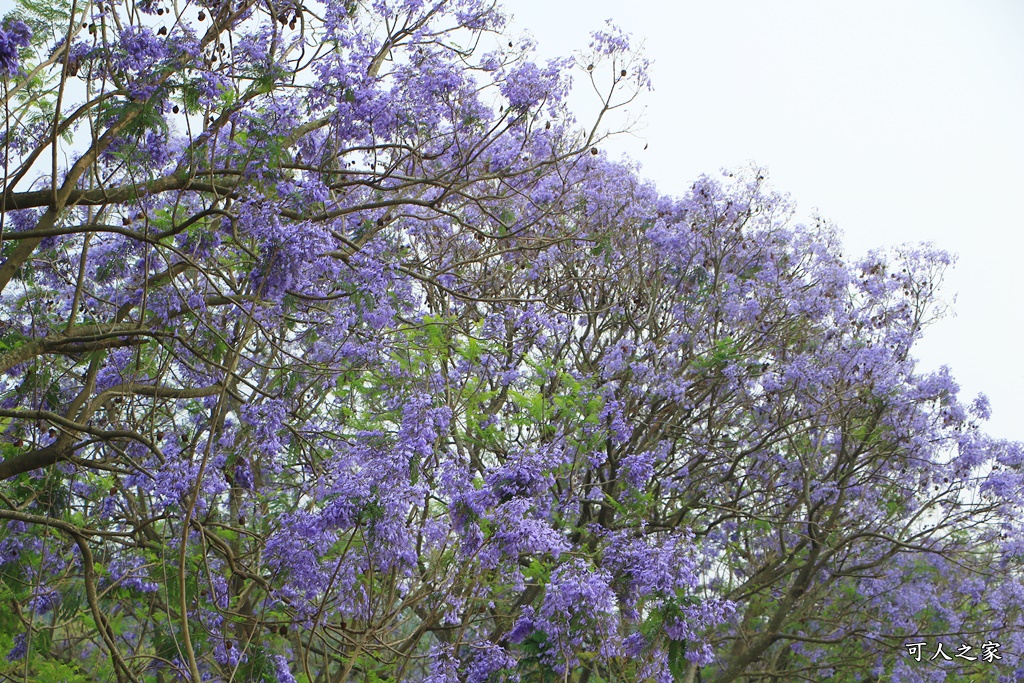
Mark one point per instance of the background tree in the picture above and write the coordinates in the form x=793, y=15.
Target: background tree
x=334, y=351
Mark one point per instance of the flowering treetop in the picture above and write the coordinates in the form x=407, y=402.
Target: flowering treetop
x=334, y=348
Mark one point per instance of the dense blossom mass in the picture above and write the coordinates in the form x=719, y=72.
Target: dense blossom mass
x=335, y=349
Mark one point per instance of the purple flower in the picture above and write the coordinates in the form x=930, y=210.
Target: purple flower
x=19, y=649
x=282, y=670
x=444, y=665
x=16, y=34
x=130, y=572
x=44, y=601
x=142, y=48
x=523, y=627
x=527, y=84
x=488, y=662
x=609, y=40
x=578, y=614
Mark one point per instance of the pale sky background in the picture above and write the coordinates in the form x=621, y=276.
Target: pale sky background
x=900, y=121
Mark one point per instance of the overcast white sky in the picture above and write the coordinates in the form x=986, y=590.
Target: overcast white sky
x=901, y=121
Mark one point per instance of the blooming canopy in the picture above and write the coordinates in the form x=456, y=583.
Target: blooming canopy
x=333, y=349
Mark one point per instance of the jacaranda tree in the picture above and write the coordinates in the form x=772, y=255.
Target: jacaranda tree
x=334, y=349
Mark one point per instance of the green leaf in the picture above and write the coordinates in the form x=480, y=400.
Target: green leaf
x=677, y=662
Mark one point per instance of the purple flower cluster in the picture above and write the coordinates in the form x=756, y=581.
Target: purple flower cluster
x=20, y=648
x=578, y=614
x=130, y=572
x=14, y=35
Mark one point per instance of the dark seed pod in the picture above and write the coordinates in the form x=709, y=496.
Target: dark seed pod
x=593, y=150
